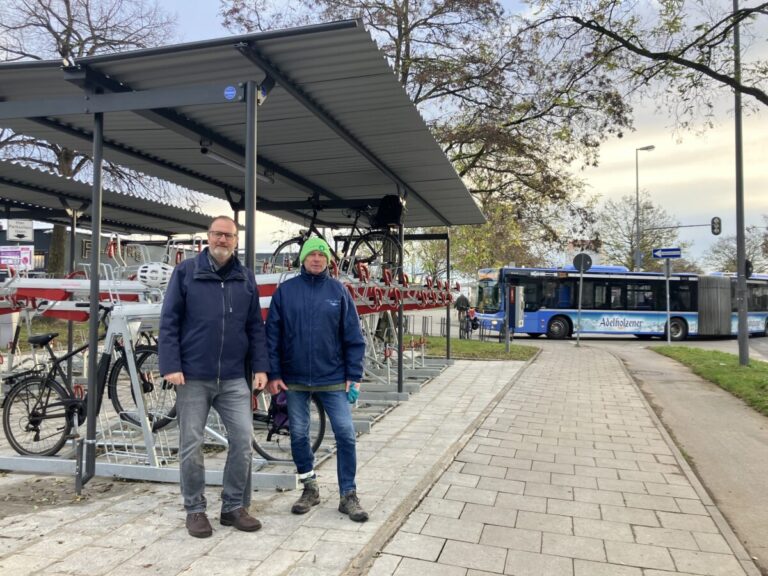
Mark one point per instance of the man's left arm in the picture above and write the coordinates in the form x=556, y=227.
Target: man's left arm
x=352, y=341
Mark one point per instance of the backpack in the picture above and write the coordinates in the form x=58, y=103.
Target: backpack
x=390, y=212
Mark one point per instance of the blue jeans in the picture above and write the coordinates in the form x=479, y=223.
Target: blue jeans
x=340, y=414
x=232, y=400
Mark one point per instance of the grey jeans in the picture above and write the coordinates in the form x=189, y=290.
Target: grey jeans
x=232, y=400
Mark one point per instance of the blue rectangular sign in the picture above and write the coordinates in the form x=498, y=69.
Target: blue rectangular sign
x=666, y=253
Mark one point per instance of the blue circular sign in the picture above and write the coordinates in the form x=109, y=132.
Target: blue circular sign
x=230, y=92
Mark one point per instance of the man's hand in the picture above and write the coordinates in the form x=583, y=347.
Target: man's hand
x=274, y=386
x=259, y=380
x=175, y=378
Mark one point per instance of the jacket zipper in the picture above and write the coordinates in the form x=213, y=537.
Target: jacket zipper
x=223, y=325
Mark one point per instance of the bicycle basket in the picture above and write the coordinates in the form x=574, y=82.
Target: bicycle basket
x=390, y=212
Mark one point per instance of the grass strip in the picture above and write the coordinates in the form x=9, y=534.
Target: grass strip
x=750, y=383
x=477, y=349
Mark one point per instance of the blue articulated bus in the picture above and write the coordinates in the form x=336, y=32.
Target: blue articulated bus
x=617, y=301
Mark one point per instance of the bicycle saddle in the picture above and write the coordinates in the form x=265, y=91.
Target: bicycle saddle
x=42, y=339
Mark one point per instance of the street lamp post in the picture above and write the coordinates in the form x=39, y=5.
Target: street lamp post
x=638, y=255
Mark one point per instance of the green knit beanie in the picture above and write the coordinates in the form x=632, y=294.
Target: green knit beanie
x=315, y=244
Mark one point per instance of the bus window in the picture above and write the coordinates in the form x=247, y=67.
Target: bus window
x=617, y=302
x=640, y=297
x=681, y=297
x=532, y=296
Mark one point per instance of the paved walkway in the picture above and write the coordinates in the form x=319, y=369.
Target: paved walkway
x=571, y=473
x=558, y=467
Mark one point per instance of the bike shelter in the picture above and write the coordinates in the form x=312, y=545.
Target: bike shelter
x=277, y=121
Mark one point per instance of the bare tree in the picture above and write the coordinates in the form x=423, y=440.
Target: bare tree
x=721, y=256
x=658, y=229
x=681, y=49
x=70, y=30
x=509, y=116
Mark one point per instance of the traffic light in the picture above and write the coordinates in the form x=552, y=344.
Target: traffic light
x=716, y=226
x=747, y=269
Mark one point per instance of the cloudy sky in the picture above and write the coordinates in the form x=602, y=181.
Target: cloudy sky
x=691, y=176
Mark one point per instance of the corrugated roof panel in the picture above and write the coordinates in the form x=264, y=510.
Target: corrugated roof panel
x=337, y=66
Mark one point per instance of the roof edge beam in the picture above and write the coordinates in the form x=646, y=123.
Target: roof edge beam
x=249, y=50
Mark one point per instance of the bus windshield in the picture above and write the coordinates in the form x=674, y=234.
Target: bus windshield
x=487, y=296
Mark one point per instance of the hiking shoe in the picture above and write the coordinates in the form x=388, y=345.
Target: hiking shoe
x=240, y=519
x=349, y=504
x=198, y=525
x=310, y=497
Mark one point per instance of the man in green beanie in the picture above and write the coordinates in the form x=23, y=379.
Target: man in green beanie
x=316, y=348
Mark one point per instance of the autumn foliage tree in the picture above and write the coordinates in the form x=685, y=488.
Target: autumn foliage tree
x=509, y=116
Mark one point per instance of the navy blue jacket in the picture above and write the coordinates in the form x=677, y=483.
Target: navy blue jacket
x=209, y=325
x=313, y=332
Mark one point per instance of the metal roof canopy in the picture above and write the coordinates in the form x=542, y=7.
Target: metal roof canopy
x=38, y=195
x=333, y=122
x=330, y=118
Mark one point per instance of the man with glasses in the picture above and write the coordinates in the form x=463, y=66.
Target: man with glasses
x=210, y=326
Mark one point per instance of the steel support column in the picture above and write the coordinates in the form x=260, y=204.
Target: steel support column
x=251, y=162
x=93, y=327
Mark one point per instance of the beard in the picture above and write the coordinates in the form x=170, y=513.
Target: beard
x=221, y=253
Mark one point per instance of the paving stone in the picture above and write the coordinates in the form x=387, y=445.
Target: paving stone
x=603, y=529
x=474, y=495
x=707, y=563
x=690, y=522
x=712, y=543
x=520, y=502
x=691, y=506
x=453, y=529
x=598, y=496
x=675, y=491
x=476, y=556
x=664, y=503
x=621, y=485
x=490, y=515
x=574, y=481
x=441, y=507
x=484, y=470
x=587, y=568
x=520, y=563
x=511, y=538
x=665, y=537
x=384, y=565
x=573, y=546
x=630, y=515
x=410, y=567
x=417, y=546
x=569, y=508
x=640, y=555
x=501, y=485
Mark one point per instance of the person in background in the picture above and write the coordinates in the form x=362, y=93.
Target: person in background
x=316, y=347
x=210, y=325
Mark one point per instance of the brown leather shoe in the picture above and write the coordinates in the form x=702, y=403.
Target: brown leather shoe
x=240, y=519
x=198, y=525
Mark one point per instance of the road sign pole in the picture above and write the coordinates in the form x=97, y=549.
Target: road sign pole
x=669, y=315
x=578, y=316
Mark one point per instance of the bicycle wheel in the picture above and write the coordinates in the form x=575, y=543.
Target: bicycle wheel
x=272, y=440
x=159, y=396
x=379, y=250
x=35, y=417
x=286, y=255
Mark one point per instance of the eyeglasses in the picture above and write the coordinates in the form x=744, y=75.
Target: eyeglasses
x=219, y=235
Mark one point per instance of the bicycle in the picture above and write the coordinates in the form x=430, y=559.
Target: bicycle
x=379, y=247
x=271, y=429
x=41, y=409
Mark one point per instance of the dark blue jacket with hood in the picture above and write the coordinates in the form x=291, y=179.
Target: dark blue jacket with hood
x=313, y=332
x=209, y=325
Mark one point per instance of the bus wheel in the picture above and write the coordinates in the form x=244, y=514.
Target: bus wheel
x=558, y=328
x=679, y=329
